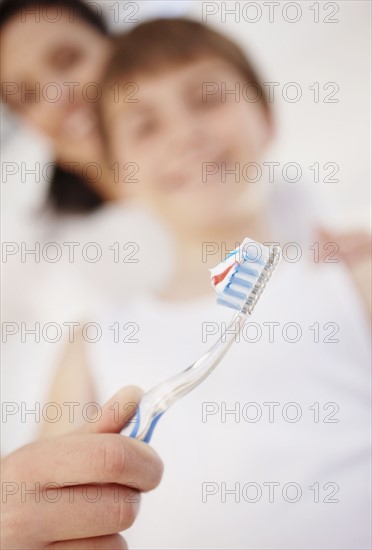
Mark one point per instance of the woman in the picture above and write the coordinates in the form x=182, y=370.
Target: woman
x=64, y=46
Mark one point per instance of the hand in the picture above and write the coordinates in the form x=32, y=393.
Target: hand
x=355, y=251
x=352, y=246
x=82, y=485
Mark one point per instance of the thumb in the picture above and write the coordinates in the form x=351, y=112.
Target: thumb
x=116, y=412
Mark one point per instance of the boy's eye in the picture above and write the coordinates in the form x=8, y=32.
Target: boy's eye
x=203, y=100
x=65, y=58
x=145, y=128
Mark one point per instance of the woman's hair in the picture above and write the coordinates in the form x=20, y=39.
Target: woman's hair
x=9, y=8
x=67, y=191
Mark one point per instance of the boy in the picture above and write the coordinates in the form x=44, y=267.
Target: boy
x=234, y=479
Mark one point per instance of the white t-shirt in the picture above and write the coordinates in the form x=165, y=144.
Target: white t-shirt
x=290, y=467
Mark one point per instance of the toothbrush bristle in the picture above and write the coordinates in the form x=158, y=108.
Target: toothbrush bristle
x=240, y=279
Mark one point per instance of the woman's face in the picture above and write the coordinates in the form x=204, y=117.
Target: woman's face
x=62, y=62
x=192, y=150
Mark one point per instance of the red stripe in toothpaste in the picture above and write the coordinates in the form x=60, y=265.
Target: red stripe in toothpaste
x=221, y=276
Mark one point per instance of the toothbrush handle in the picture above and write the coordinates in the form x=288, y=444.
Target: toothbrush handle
x=142, y=424
x=157, y=400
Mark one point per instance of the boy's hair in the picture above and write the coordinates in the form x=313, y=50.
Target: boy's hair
x=159, y=43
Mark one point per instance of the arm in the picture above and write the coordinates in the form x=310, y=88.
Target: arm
x=72, y=383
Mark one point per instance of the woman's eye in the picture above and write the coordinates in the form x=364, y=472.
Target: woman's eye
x=29, y=98
x=65, y=58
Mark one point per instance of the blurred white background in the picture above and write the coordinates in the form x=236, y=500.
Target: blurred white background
x=308, y=132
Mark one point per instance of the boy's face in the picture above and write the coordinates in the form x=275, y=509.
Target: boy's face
x=185, y=134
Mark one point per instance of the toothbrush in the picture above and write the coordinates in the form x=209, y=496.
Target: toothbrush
x=239, y=282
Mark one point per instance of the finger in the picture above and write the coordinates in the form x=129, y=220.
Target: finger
x=328, y=247
x=116, y=412
x=85, y=511
x=351, y=246
x=91, y=458
x=111, y=542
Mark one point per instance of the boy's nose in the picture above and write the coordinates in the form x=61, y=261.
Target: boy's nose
x=186, y=136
